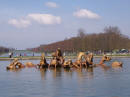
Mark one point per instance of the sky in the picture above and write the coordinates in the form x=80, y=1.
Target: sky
x=30, y=23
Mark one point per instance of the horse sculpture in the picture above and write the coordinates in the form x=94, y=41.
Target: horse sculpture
x=79, y=62
x=54, y=63
x=84, y=60
x=29, y=64
x=68, y=64
x=57, y=59
x=15, y=65
x=103, y=59
x=117, y=64
x=89, y=60
x=43, y=62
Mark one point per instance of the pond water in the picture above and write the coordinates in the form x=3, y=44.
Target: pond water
x=93, y=82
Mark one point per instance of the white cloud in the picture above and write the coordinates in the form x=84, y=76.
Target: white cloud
x=51, y=4
x=45, y=18
x=84, y=13
x=21, y=23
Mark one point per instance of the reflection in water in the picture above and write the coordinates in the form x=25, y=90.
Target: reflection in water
x=90, y=73
x=90, y=69
x=56, y=72
x=68, y=72
x=43, y=73
x=105, y=68
x=117, y=67
x=79, y=73
x=84, y=73
x=60, y=72
x=15, y=70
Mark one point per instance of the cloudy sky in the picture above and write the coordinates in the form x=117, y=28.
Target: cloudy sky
x=29, y=23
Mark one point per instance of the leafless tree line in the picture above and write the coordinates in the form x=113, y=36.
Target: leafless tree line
x=110, y=39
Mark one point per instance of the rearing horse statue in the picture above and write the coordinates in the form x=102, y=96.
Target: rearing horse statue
x=78, y=63
x=43, y=62
x=57, y=59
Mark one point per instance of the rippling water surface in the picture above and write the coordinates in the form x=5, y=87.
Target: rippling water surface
x=93, y=82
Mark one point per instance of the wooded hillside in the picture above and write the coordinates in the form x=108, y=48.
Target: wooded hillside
x=111, y=38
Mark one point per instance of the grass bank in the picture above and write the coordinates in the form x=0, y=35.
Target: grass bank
x=67, y=57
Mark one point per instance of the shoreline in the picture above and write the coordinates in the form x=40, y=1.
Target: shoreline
x=38, y=57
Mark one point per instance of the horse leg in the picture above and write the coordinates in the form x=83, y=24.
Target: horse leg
x=76, y=66
x=49, y=65
x=80, y=65
x=85, y=65
x=55, y=65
